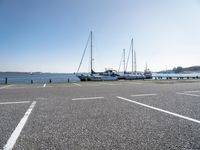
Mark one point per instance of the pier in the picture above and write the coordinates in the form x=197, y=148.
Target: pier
x=175, y=76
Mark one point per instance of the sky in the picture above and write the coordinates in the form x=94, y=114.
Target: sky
x=50, y=35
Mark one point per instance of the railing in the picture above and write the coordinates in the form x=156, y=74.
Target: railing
x=7, y=80
x=176, y=76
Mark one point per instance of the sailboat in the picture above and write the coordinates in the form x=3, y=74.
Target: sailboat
x=108, y=75
x=133, y=75
x=147, y=73
x=122, y=74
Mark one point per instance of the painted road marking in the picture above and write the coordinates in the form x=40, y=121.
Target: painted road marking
x=50, y=86
x=91, y=85
x=191, y=91
x=141, y=95
x=13, y=138
x=187, y=94
x=110, y=83
x=77, y=84
x=4, y=87
x=41, y=98
x=133, y=83
x=44, y=85
x=87, y=98
x=21, y=102
x=161, y=110
x=17, y=87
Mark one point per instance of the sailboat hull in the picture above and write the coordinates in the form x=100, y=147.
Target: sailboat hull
x=148, y=75
x=96, y=78
x=134, y=77
x=130, y=76
x=83, y=77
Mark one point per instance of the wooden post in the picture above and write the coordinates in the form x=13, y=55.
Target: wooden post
x=6, y=80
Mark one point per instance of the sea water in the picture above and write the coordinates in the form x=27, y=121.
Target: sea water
x=25, y=78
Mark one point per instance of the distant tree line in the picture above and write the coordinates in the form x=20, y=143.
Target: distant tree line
x=188, y=69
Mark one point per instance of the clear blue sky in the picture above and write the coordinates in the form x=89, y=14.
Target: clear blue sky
x=50, y=35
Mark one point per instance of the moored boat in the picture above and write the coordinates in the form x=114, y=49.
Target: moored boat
x=133, y=75
x=108, y=75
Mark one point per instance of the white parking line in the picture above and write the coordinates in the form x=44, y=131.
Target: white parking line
x=191, y=91
x=161, y=110
x=110, y=83
x=15, y=87
x=13, y=138
x=41, y=98
x=4, y=87
x=141, y=95
x=187, y=94
x=86, y=98
x=77, y=84
x=21, y=102
x=93, y=85
x=49, y=86
x=133, y=83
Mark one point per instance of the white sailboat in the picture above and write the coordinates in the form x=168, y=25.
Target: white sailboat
x=133, y=75
x=95, y=76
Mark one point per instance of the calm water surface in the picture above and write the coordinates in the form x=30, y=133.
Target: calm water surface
x=16, y=78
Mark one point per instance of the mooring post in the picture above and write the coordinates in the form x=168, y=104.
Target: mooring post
x=31, y=81
x=68, y=80
x=6, y=80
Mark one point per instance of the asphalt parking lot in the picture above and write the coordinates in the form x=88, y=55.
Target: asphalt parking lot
x=101, y=115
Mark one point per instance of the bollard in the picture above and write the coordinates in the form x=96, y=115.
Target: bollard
x=68, y=80
x=6, y=80
x=31, y=81
x=50, y=81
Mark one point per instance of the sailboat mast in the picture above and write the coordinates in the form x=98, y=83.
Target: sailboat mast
x=124, y=60
x=146, y=67
x=132, y=53
x=91, y=65
x=135, y=61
